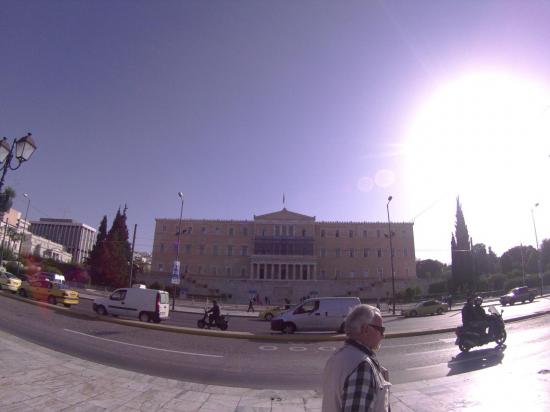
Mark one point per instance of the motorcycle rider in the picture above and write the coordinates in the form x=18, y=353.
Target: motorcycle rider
x=468, y=312
x=481, y=320
x=214, y=313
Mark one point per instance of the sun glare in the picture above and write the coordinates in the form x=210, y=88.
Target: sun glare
x=479, y=136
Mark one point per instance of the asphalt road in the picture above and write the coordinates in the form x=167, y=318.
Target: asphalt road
x=255, y=364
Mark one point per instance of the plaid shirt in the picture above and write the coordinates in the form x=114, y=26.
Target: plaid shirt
x=360, y=386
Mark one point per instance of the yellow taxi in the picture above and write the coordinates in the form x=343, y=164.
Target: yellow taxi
x=270, y=313
x=51, y=292
x=9, y=282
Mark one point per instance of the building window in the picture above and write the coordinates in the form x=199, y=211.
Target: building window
x=201, y=249
x=162, y=248
x=245, y=231
x=229, y=250
x=351, y=253
x=380, y=273
x=217, y=231
x=291, y=230
x=199, y=270
x=203, y=230
x=366, y=252
x=352, y=274
x=277, y=230
x=283, y=272
x=337, y=234
x=285, y=230
x=244, y=250
x=365, y=233
x=231, y=231
x=188, y=249
x=243, y=272
x=323, y=252
x=366, y=274
x=405, y=252
x=215, y=250
x=228, y=271
x=379, y=252
x=322, y=232
x=303, y=233
x=378, y=233
x=337, y=273
x=161, y=267
x=190, y=230
x=164, y=228
x=338, y=252
x=351, y=233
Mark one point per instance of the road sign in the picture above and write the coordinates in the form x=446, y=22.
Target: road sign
x=175, y=279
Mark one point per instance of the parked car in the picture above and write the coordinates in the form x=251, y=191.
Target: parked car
x=427, y=307
x=9, y=281
x=51, y=292
x=270, y=313
x=145, y=304
x=322, y=314
x=519, y=294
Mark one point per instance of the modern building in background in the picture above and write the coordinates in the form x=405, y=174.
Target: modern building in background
x=77, y=238
x=285, y=255
x=12, y=229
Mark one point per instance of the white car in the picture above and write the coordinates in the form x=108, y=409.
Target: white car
x=145, y=304
x=9, y=282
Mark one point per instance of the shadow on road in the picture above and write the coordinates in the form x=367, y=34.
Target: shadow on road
x=476, y=360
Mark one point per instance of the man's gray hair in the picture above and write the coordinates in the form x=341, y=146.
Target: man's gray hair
x=359, y=316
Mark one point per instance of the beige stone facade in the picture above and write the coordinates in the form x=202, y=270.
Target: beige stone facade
x=285, y=253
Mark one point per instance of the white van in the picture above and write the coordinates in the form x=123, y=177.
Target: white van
x=322, y=314
x=145, y=304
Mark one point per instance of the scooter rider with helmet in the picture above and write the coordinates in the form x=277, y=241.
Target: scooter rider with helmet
x=481, y=320
x=214, y=313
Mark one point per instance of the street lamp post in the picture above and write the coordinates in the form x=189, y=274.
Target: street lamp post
x=177, y=265
x=24, y=148
x=390, y=235
x=24, y=227
x=538, y=250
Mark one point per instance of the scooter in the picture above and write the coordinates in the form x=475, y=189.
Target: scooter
x=467, y=338
x=221, y=322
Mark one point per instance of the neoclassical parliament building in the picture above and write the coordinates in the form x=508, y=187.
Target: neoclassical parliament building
x=285, y=255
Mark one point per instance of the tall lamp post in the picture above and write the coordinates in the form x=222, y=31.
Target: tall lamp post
x=176, y=270
x=538, y=251
x=390, y=235
x=24, y=148
x=24, y=227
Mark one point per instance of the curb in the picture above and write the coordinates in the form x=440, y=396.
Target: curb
x=241, y=335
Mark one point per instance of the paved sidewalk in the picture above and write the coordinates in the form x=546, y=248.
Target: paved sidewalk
x=33, y=378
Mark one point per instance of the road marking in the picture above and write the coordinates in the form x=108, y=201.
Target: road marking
x=267, y=347
x=297, y=348
x=327, y=348
x=144, y=347
x=428, y=351
x=424, y=367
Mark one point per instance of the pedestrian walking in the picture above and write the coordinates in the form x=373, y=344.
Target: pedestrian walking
x=250, y=306
x=266, y=300
x=353, y=379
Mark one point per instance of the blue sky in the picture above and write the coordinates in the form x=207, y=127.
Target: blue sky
x=336, y=104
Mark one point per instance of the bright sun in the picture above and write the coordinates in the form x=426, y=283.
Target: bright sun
x=480, y=136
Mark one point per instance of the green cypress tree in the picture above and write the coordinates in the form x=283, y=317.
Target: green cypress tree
x=98, y=254
x=118, y=252
x=461, y=252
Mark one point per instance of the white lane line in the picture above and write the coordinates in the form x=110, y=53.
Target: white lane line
x=428, y=351
x=425, y=367
x=144, y=347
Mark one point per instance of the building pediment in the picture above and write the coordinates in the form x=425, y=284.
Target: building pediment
x=285, y=215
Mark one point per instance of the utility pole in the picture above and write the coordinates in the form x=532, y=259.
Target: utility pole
x=132, y=260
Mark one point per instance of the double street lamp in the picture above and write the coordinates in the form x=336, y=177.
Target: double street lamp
x=538, y=250
x=24, y=147
x=176, y=271
x=390, y=235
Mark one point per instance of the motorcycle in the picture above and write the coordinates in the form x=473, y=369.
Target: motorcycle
x=221, y=322
x=467, y=338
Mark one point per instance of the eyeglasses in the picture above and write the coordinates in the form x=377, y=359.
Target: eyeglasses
x=380, y=329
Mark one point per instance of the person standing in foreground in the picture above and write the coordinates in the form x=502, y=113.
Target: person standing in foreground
x=353, y=380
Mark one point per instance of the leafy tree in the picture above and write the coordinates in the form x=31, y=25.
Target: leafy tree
x=6, y=199
x=519, y=258
x=429, y=268
x=545, y=254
